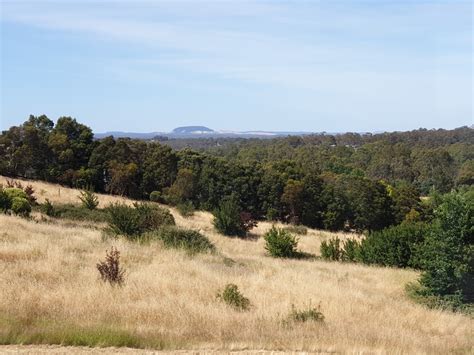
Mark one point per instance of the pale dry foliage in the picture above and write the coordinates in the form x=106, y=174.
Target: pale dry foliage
x=49, y=280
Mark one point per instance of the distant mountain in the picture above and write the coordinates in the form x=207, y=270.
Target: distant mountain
x=199, y=132
x=192, y=130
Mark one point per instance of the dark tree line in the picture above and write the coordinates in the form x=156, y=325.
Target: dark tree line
x=351, y=181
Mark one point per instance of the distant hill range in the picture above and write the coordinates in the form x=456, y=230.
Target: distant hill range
x=199, y=132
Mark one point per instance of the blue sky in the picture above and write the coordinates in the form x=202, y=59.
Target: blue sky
x=239, y=65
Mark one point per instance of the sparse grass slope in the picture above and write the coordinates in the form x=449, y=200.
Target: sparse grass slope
x=51, y=293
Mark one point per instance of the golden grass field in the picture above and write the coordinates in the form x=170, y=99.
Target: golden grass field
x=51, y=293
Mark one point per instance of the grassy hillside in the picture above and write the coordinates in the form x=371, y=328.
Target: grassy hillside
x=51, y=293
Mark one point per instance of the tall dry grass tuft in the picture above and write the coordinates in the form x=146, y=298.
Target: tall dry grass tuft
x=51, y=293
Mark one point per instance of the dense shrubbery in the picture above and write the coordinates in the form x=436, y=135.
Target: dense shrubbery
x=334, y=251
x=234, y=298
x=230, y=220
x=132, y=221
x=187, y=239
x=395, y=246
x=14, y=200
x=280, y=243
x=447, y=255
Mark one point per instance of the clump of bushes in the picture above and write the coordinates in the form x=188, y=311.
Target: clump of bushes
x=187, y=239
x=397, y=246
x=334, y=250
x=110, y=270
x=234, y=298
x=14, y=200
x=230, y=220
x=312, y=314
x=296, y=229
x=48, y=209
x=280, y=243
x=132, y=221
x=89, y=199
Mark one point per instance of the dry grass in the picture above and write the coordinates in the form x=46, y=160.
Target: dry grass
x=51, y=293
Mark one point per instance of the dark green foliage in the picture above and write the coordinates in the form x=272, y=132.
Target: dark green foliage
x=5, y=201
x=447, y=256
x=187, y=239
x=80, y=213
x=397, y=246
x=227, y=218
x=89, y=199
x=156, y=196
x=350, y=250
x=234, y=298
x=136, y=220
x=333, y=250
x=110, y=270
x=312, y=314
x=280, y=243
x=48, y=209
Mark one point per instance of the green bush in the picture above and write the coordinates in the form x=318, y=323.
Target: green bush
x=280, y=243
x=350, y=250
x=187, y=239
x=156, y=196
x=13, y=192
x=296, y=229
x=136, y=220
x=89, y=199
x=20, y=206
x=48, y=209
x=313, y=314
x=447, y=255
x=397, y=246
x=227, y=218
x=334, y=251
x=331, y=250
x=234, y=298
x=5, y=201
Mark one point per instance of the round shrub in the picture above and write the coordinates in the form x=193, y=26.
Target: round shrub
x=280, y=243
x=13, y=192
x=21, y=206
x=187, y=239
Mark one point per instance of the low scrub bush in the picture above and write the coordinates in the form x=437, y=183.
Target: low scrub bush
x=296, y=229
x=234, y=298
x=185, y=209
x=397, y=246
x=187, y=239
x=76, y=213
x=15, y=200
x=156, y=196
x=21, y=206
x=136, y=220
x=334, y=250
x=110, y=270
x=280, y=243
x=89, y=199
x=48, y=209
x=227, y=218
x=312, y=314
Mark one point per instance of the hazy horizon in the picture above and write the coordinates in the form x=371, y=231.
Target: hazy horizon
x=345, y=66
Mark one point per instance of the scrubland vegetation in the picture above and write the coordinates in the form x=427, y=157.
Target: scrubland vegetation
x=322, y=247
x=169, y=298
